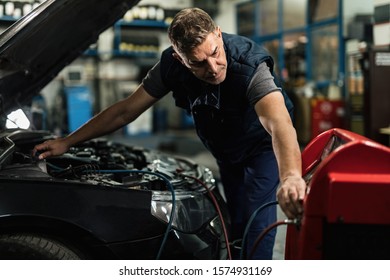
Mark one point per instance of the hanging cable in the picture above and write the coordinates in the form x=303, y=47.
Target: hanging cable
x=218, y=210
x=264, y=233
x=248, y=225
x=170, y=188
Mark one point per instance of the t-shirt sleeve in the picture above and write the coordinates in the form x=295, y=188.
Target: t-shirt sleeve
x=153, y=83
x=261, y=84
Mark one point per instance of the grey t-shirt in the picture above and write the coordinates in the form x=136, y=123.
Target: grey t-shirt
x=261, y=84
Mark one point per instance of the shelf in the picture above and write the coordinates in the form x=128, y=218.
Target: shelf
x=8, y=19
x=138, y=38
x=146, y=24
x=143, y=23
x=117, y=53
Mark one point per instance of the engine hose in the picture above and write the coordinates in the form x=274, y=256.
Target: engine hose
x=218, y=211
x=250, y=221
x=171, y=189
x=264, y=233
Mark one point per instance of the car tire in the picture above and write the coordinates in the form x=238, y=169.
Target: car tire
x=33, y=247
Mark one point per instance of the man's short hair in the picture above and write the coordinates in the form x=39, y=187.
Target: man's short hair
x=189, y=29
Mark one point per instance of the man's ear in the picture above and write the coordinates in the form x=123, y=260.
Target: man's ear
x=218, y=31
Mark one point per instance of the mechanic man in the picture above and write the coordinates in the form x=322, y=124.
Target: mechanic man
x=243, y=118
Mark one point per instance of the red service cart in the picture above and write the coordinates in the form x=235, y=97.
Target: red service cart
x=347, y=203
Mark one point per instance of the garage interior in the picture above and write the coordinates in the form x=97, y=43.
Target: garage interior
x=351, y=91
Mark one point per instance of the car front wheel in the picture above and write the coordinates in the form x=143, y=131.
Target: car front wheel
x=33, y=247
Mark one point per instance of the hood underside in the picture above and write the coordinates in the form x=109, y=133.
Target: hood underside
x=38, y=46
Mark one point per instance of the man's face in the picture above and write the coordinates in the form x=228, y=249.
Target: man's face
x=207, y=61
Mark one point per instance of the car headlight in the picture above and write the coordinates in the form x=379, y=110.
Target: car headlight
x=192, y=210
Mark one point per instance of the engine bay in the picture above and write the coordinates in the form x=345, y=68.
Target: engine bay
x=99, y=162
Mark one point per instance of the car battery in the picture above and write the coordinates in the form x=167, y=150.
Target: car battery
x=347, y=203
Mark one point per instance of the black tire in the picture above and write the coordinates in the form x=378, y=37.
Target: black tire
x=33, y=247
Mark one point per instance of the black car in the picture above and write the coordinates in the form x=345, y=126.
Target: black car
x=100, y=200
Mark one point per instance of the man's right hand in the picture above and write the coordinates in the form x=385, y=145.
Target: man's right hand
x=51, y=148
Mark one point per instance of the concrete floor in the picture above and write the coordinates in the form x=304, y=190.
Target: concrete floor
x=186, y=143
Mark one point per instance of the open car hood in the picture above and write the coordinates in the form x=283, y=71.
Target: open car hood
x=38, y=46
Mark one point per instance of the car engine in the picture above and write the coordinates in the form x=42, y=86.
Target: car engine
x=99, y=162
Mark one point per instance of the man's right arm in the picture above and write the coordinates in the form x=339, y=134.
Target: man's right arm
x=112, y=118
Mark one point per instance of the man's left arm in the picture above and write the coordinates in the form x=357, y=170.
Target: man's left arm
x=276, y=120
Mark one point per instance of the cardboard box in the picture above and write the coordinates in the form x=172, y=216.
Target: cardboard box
x=382, y=34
